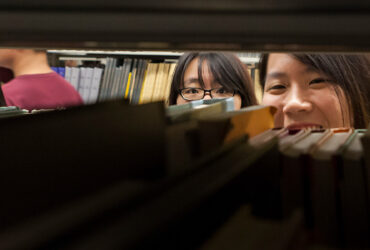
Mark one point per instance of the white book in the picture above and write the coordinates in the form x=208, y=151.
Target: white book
x=75, y=77
x=88, y=82
x=81, y=84
x=68, y=74
x=95, y=85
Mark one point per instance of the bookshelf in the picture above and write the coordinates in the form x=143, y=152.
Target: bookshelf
x=166, y=28
x=152, y=63
x=142, y=25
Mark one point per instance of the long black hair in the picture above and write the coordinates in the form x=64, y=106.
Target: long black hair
x=226, y=68
x=350, y=72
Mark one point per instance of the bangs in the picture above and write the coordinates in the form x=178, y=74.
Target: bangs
x=219, y=73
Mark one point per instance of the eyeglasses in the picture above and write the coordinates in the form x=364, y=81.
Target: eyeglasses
x=192, y=94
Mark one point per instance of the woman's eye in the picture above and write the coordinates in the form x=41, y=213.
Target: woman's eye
x=277, y=87
x=319, y=80
x=221, y=91
x=191, y=91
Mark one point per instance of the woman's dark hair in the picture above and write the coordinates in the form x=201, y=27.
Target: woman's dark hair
x=226, y=69
x=349, y=72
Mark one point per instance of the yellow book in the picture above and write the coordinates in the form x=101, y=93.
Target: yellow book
x=169, y=82
x=133, y=77
x=142, y=87
x=152, y=77
x=229, y=126
x=162, y=91
x=257, y=86
x=158, y=82
x=128, y=85
x=251, y=121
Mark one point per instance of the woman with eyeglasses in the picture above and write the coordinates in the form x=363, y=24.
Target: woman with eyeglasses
x=206, y=75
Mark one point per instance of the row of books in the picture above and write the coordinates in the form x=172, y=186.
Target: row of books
x=197, y=165
x=323, y=172
x=138, y=80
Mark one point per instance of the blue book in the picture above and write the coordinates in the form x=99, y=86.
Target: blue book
x=62, y=71
x=55, y=69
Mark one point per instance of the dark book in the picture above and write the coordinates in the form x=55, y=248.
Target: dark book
x=139, y=81
x=111, y=79
x=54, y=157
x=71, y=220
x=365, y=140
x=292, y=147
x=324, y=188
x=181, y=146
x=203, y=196
x=134, y=68
x=355, y=210
x=126, y=68
x=106, y=78
x=219, y=128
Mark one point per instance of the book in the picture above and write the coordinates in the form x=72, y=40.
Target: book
x=365, y=140
x=134, y=76
x=292, y=147
x=147, y=88
x=126, y=72
x=82, y=83
x=114, y=82
x=181, y=150
x=70, y=153
x=221, y=128
x=257, y=86
x=245, y=231
x=95, y=85
x=158, y=82
x=55, y=69
x=140, y=78
x=164, y=83
x=202, y=196
x=106, y=78
x=111, y=79
x=355, y=210
x=10, y=111
x=323, y=186
x=67, y=76
x=88, y=84
x=197, y=109
x=75, y=77
x=169, y=82
x=62, y=71
x=251, y=120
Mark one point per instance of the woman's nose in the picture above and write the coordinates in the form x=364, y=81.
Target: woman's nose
x=297, y=102
x=207, y=95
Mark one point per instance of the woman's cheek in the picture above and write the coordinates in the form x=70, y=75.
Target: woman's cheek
x=276, y=101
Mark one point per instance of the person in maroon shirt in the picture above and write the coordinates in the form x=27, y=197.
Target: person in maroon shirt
x=35, y=84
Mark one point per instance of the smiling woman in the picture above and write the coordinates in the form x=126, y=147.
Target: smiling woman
x=317, y=90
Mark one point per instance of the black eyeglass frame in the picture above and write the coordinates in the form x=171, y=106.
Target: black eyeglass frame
x=204, y=93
